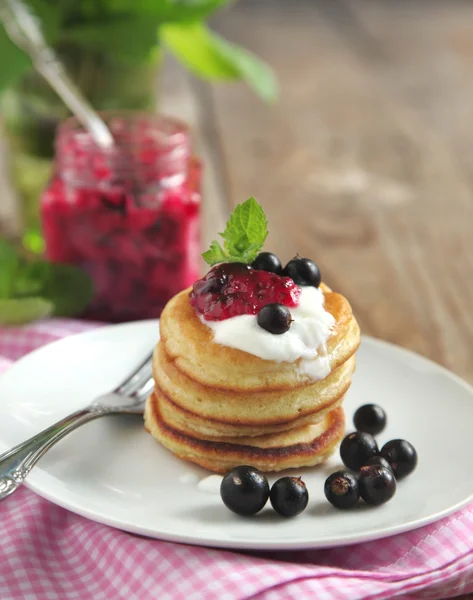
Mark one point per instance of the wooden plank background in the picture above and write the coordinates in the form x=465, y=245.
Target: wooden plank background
x=366, y=162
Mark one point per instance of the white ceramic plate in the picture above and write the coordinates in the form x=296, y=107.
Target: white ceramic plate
x=113, y=472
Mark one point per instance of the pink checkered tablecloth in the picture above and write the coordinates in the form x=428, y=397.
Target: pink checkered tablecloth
x=49, y=553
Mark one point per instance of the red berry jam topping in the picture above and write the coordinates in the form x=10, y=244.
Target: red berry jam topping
x=233, y=289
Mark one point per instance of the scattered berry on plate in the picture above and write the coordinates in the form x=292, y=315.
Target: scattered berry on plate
x=341, y=489
x=244, y=490
x=303, y=271
x=377, y=484
x=378, y=460
x=267, y=261
x=370, y=418
x=357, y=448
x=402, y=457
x=289, y=496
x=275, y=318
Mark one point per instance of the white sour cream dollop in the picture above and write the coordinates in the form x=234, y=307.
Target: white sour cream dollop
x=306, y=338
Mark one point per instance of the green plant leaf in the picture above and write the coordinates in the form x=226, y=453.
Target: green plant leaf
x=49, y=17
x=251, y=69
x=68, y=288
x=30, y=278
x=244, y=235
x=14, y=62
x=189, y=10
x=166, y=11
x=65, y=289
x=215, y=254
x=16, y=311
x=209, y=56
x=191, y=44
x=246, y=230
x=9, y=262
x=127, y=37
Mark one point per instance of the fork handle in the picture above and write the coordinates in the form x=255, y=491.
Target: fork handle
x=15, y=464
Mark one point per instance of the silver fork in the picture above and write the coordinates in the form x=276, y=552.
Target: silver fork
x=128, y=398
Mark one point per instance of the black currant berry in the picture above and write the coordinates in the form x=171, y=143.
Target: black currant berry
x=289, y=496
x=303, y=271
x=377, y=484
x=370, y=418
x=267, y=261
x=275, y=318
x=341, y=489
x=244, y=490
x=357, y=448
x=402, y=457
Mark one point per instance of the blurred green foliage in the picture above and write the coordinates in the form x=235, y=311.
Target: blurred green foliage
x=132, y=29
x=33, y=289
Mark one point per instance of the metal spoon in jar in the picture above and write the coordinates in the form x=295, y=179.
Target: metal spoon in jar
x=23, y=28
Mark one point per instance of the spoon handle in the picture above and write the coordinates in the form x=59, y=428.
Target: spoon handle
x=15, y=464
x=24, y=30
x=54, y=73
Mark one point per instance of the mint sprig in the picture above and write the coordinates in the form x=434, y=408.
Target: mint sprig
x=31, y=290
x=244, y=235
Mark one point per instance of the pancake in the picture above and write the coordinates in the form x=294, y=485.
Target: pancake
x=211, y=412
x=213, y=430
x=306, y=445
x=221, y=407
x=188, y=343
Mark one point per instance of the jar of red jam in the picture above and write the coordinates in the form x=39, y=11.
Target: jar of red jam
x=128, y=215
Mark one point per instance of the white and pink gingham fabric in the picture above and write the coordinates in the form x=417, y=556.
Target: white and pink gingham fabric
x=49, y=553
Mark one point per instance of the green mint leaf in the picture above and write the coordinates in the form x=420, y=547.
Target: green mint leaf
x=68, y=288
x=188, y=10
x=114, y=36
x=244, y=235
x=214, y=254
x=170, y=10
x=29, y=279
x=14, y=61
x=17, y=311
x=191, y=45
x=49, y=17
x=251, y=69
x=250, y=253
x=9, y=262
x=209, y=56
x=246, y=230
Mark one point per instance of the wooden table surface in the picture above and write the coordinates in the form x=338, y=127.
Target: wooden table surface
x=366, y=162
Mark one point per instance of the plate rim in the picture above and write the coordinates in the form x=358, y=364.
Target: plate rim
x=233, y=544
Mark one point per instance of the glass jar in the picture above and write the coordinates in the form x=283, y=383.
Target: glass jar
x=31, y=110
x=129, y=215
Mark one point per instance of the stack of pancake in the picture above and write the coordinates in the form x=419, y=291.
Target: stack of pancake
x=220, y=407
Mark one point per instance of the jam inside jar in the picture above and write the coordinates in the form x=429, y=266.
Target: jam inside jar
x=128, y=215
